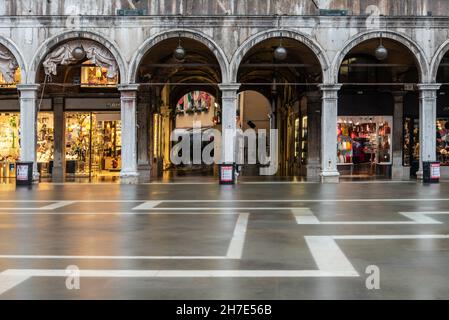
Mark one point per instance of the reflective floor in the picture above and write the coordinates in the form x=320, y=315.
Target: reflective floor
x=199, y=240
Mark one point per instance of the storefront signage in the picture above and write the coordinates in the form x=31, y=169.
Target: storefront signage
x=227, y=174
x=22, y=172
x=92, y=104
x=435, y=171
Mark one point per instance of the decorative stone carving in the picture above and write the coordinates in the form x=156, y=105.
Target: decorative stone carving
x=8, y=64
x=97, y=54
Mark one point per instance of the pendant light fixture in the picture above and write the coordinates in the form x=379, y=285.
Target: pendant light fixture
x=280, y=53
x=180, y=52
x=381, y=52
x=78, y=52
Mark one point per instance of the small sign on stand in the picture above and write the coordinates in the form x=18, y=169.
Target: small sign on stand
x=24, y=173
x=227, y=173
x=431, y=172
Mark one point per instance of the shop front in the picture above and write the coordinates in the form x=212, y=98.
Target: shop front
x=10, y=143
x=365, y=145
x=93, y=144
x=365, y=135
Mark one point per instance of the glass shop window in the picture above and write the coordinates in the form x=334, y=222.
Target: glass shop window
x=94, y=76
x=17, y=79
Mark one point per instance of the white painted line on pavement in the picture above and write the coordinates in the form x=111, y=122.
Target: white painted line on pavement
x=393, y=237
x=54, y=206
x=179, y=273
x=234, y=252
x=80, y=257
x=328, y=255
x=308, y=218
x=9, y=281
x=148, y=205
x=235, y=249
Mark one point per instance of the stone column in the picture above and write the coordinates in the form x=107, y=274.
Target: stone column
x=28, y=124
x=427, y=124
x=128, y=98
x=314, y=134
x=143, y=141
x=397, y=170
x=329, y=171
x=228, y=119
x=59, y=140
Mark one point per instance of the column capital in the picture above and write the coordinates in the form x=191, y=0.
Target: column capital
x=128, y=87
x=428, y=86
x=330, y=86
x=229, y=86
x=28, y=87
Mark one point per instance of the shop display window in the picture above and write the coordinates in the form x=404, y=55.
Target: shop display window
x=17, y=78
x=443, y=141
x=9, y=137
x=45, y=137
x=94, y=76
x=411, y=141
x=364, y=140
x=93, y=143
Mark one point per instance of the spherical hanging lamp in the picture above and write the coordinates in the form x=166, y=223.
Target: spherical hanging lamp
x=280, y=53
x=179, y=53
x=78, y=52
x=381, y=53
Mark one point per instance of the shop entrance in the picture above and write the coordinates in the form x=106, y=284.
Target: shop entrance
x=93, y=144
x=364, y=145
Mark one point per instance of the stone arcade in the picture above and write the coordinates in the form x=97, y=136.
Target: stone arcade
x=127, y=82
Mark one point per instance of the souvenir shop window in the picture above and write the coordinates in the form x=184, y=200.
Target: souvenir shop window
x=45, y=137
x=411, y=141
x=9, y=137
x=94, y=76
x=443, y=141
x=17, y=79
x=364, y=140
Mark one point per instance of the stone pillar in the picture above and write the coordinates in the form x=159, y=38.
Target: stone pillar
x=314, y=134
x=143, y=139
x=427, y=124
x=397, y=170
x=229, y=100
x=28, y=124
x=329, y=171
x=128, y=98
x=59, y=140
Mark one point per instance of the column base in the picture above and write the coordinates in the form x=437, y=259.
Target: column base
x=397, y=172
x=129, y=177
x=330, y=177
x=420, y=175
x=36, y=177
x=313, y=171
x=57, y=174
x=144, y=172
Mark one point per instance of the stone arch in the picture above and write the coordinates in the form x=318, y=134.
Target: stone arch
x=14, y=50
x=48, y=45
x=436, y=61
x=415, y=49
x=252, y=41
x=174, y=33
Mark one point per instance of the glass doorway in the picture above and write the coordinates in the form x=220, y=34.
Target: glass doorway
x=93, y=144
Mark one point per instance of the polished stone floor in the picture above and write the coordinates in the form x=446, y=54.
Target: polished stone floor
x=199, y=240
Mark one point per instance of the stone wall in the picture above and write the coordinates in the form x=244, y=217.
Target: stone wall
x=220, y=7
